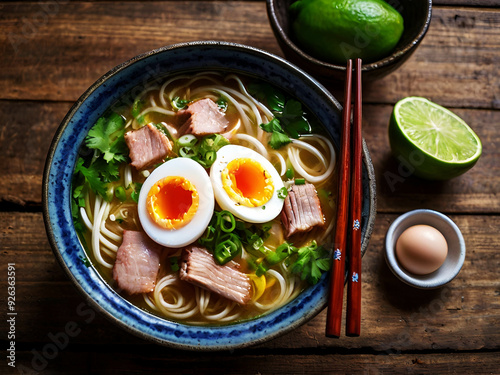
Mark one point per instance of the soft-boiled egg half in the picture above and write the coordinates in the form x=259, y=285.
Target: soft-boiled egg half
x=246, y=184
x=176, y=203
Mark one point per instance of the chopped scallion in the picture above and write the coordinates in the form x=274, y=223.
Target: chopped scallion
x=300, y=181
x=174, y=264
x=120, y=193
x=282, y=193
x=187, y=140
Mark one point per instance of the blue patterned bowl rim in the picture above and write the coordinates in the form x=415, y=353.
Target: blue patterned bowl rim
x=64, y=150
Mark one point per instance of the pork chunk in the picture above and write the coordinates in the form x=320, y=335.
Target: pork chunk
x=198, y=267
x=302, y=210
x=202, y=117
x=137, y=263
x=148, y=146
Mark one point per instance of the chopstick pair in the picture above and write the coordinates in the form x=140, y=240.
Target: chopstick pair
x=348, y=226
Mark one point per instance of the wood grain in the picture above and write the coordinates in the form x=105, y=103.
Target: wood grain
x=127, y=360
x=52, y=51
x=459, y=53
x=396, y=318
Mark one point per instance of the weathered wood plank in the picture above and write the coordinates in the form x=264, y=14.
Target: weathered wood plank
x=94, y=37
x=470, y=3
x=460, y=316
x=26, y=132
x=455, y=65
x=29, y=128
x=121, y=360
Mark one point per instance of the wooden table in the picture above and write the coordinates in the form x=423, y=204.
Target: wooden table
x=52, y=51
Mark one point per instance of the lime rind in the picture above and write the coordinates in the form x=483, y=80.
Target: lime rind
x=437, y=131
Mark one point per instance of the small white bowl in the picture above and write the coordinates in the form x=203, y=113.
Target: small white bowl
x=456, y=248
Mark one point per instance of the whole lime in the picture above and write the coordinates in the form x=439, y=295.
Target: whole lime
x=435, y=142
x=338, y=30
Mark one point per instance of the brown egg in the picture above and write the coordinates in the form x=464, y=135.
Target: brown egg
x=421, y=249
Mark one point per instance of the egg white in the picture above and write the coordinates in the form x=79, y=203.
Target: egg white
x=260, y=214
x=196, y=174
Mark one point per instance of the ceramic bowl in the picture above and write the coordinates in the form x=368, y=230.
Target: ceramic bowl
x=416, y=16
x=456, y=248
x=175, y=59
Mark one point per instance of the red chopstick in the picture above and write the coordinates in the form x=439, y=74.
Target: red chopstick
x=353, y=319
x=336, y=294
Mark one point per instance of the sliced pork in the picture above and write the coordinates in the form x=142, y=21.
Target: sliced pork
x=148, y=146
x=137, y=263
x=198, y=267
x=202, y=117
x=302, y=210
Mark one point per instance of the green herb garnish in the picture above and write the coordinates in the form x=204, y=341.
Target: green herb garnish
x=179, y=103
x=107, y=148
x=203, y=151
x=220, y=239
x=174, y=264
x=308, y=261
x=222, y=103
x=163, y=129
x=120, y=194
x=106, y=136
x=282, y=193
x=136, y=110
x=225, y=236
x=136, y=186
x=300, y=181
x=289, y=118
x=85, y=260
x=311, y=262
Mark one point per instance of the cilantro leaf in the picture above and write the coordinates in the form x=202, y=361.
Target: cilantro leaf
x=311, y=262
x=107, y=140
x=289, y=121
x=292, y=109
x=278, y=136
x=280, y=254
x=278, y=140
x=267, y=93
x=107, y=137
x=92, y=177
x=297, y=127
x=272, y=126
x=293, y=120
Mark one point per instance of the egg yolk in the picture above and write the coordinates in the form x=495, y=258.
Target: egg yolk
x=172, y=202
x=247, y=182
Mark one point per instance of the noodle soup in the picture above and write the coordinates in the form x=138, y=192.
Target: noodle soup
x=266, y=197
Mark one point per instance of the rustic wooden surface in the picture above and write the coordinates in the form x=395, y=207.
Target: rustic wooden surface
x=52, y=51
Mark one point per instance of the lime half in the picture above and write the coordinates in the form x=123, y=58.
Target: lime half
x=437, y=143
